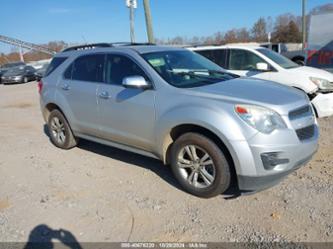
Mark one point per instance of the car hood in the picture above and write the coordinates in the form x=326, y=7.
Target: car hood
x=312, y=72
x=254, y=91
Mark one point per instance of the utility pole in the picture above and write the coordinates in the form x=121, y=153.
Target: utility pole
x=132, y=4
x=303, y=23
x=149, y=26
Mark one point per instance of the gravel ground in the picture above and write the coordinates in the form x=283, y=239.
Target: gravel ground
x=99, y=193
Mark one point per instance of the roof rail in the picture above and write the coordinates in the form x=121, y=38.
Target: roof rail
x=88, y=46
x=203, y=45
x=106, y=45
x=132, y=44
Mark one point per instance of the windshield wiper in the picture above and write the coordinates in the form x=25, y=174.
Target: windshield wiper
x=209, y=72
x=193, y=74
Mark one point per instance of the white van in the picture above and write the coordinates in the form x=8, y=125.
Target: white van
x=262, y=63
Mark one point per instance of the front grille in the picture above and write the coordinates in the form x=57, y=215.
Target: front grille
x=300, y=112
x=306, y=132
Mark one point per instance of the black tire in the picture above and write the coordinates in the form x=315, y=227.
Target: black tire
x=300, y=62
x=69, y=141
x=25, y=79
x=222, y=174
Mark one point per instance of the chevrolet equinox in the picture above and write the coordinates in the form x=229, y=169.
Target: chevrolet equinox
x=213, y=127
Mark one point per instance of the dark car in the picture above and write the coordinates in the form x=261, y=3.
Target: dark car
x=40, y=72
x=20, y=74
x=4, y=68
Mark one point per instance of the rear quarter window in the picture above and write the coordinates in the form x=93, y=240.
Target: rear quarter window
x=56, y=62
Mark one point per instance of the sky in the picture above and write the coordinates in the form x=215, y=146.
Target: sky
x=87, y=21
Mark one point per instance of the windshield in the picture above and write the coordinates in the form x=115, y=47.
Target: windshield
x=14, y=70
x=184, y=69
x=11, y=65
x=277, y=58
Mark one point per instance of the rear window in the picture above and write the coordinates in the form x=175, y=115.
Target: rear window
x=56, y=62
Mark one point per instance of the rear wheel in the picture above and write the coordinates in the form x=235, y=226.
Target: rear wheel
x=199, y=165
x=60, y=133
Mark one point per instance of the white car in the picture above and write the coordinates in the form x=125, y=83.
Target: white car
x=262, y=63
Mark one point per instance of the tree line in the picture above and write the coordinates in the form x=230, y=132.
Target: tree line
x=284, y=28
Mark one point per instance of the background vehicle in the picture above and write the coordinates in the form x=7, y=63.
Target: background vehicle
x=4, y=68
x=214, y=128
x=19, y=74
x=292, y=51
x=320, y=42
x=39, y=64
x=262, y=63
x=40, y=72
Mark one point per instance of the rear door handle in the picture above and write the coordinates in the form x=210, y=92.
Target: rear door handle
x=104, y=95
x=65, y=87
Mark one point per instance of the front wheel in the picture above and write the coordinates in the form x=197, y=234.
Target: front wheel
x=300, y=62
x=200, y=165
x=60, y=132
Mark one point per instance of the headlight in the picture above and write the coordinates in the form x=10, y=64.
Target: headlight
x=262, y=119
x=322, y=83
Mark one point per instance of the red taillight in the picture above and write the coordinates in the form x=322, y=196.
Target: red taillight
x=40, y=86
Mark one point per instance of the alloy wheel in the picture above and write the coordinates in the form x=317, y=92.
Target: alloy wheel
x=196, y=166
x=58, y=130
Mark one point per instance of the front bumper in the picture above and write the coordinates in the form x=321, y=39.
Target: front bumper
x=11, y=80
x=323, y=104
x=253, y=175
x=252, y=184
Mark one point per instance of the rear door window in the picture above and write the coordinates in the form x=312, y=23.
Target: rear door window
x=219, y=56
x=89, y=68
x=56, y=62
x=243, y=60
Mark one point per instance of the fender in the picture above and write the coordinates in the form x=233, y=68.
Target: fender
x=220, y=123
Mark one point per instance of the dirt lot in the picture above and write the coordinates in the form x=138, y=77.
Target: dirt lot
x=99, y=193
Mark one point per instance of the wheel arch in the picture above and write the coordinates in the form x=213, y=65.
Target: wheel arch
x=49, y=108
x=181, y=129
x=298, y=58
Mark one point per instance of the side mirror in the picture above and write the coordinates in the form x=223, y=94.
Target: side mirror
x=262, y=66
x=137, y=82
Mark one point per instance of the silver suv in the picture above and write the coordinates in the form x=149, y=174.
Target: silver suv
x=214, y=128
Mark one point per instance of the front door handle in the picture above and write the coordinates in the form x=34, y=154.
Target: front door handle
x=65, y=87
x=104, y=95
